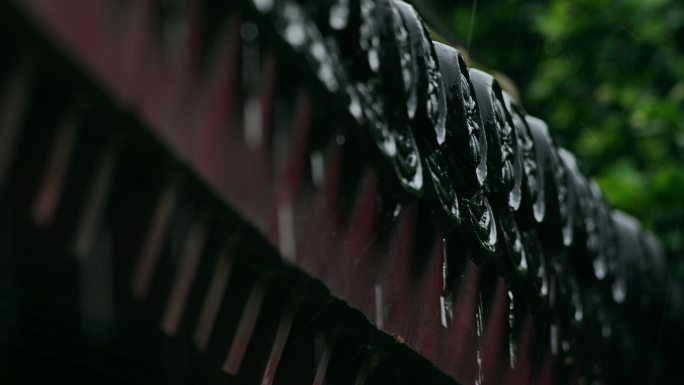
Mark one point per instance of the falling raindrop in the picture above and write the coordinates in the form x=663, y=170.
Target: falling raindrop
x=446, y=299
x=479, y=325
x=512, y=348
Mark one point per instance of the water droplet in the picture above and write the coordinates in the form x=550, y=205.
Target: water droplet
x=446, y=310
x=566, y=196
x=294, y=31
x=355, y=108
x=578, y=314
x=263, y=5
x=512, y=349
x=374, y=60
x=600, y=268
x=479, y=325
x=339, y=15
x=396, y=212
x=619, y=290
x=446, y=298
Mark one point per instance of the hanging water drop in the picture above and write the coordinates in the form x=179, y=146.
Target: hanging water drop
x=600, y=268
x=263, y=6
x=619, y=291
x=339, y=15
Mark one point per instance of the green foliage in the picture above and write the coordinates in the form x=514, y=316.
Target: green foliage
x=608, y=77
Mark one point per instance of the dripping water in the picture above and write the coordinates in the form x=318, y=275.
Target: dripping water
x=512, y=348
x=600, y=268
x=446, y=300
x=619, y=290
x=479, y=321
x=339, y=15
x=263, y=6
